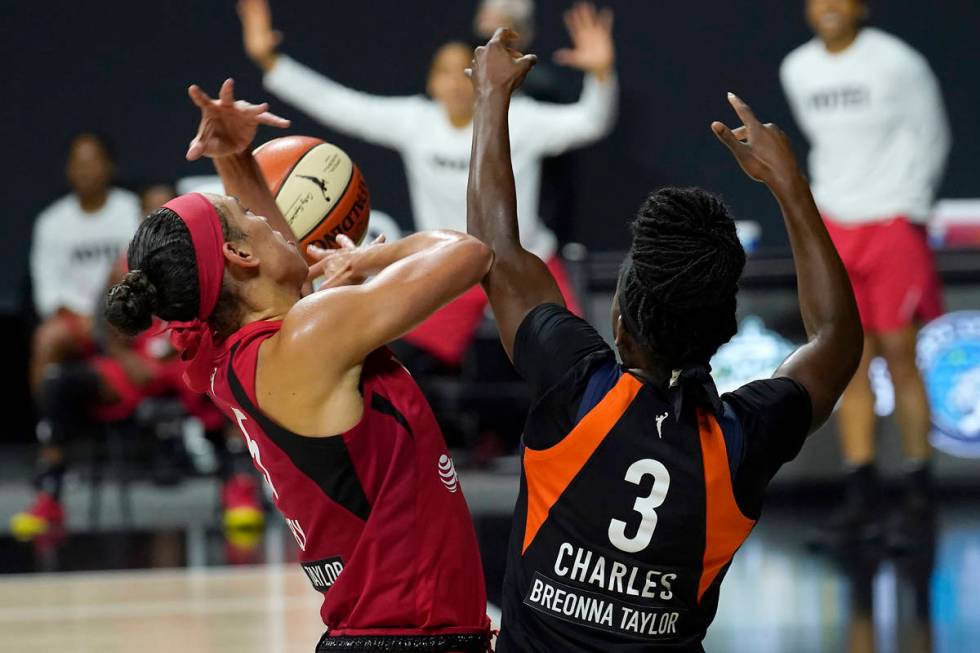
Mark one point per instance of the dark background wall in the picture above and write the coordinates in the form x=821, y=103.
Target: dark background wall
x=122, y=67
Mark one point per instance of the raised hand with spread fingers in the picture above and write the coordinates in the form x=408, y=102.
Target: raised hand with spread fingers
x=593, y=49
x=227, y=126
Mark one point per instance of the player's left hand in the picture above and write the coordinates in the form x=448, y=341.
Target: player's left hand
x=338, y=266
x=497, y=66
x=228, y=125
x=762, y=150
x=593, y=48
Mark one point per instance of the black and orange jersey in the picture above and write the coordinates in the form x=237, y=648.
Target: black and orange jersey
x=628, y=516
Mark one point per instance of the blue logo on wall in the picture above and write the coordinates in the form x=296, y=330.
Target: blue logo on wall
x=754, y=353
x=949, y=357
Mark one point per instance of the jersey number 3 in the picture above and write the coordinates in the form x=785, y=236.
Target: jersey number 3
x=646, y=506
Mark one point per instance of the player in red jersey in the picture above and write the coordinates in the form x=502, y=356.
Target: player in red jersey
x=347, y=444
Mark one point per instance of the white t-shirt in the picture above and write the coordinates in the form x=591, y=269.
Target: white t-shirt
x=876, y=123
x=73, y=251
x=437, y=155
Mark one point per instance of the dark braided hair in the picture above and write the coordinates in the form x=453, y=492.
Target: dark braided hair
x=677, y=289
x=163, y=278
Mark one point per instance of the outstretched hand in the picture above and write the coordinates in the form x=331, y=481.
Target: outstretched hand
x=227, y=125
x=593, y=49
x=497, y=66
x=762, y=150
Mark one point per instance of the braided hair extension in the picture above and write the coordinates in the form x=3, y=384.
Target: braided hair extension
x=678, y=285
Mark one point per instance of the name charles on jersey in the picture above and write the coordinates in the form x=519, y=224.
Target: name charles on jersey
x=611, y=607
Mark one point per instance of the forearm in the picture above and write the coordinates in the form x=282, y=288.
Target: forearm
x=826, y=300
x=242, y=178
x=518, y=280
x=491, y=199
x=373, y=260
x=377, y=119
x=825, y=365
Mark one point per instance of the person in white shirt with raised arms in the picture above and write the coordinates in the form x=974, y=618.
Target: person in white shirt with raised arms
x=76, y=241
x=873, y=112
x=433, y=135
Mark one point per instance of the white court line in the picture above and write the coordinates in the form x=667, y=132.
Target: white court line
x=125, y=575
x=171, y=607
x=275, y=601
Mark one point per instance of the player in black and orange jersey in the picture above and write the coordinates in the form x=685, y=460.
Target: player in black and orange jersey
x=638, y=481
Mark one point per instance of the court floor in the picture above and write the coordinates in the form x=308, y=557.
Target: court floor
x=778, y=596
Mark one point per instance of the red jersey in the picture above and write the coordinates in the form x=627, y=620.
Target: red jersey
x=378, y=513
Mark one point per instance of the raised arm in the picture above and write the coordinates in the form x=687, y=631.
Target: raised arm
x=824, y=365
x=407, y=281
x=518, y=280
x=376, y=119
x=555, y=128
x=225, y=135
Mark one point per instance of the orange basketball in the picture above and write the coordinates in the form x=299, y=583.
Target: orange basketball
x=318, y=188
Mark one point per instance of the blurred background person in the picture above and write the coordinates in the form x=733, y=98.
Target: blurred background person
x=872, y=110
x=154, y=196
x=106, y=380
x=242, y=510
x=75, y=244
x=544, y=81
x=76, y=241
x=433, y=135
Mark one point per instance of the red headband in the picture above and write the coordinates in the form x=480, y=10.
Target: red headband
x=194, y=340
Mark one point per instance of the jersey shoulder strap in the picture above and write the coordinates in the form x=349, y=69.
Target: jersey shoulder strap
x=549, y=471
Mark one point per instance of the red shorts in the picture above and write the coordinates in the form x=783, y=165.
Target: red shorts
x=892, y=271
x=447, y=334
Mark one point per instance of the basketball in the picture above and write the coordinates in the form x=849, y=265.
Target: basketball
x=318, y=188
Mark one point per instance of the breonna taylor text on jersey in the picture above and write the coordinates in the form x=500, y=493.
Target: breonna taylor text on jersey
x=624, y=528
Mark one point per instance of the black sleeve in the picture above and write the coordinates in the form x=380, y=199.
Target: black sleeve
x=550, y=342
x=775, y=416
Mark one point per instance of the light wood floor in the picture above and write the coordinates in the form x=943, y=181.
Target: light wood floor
x=269, y=609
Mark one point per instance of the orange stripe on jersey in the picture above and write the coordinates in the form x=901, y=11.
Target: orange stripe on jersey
x=549, y=471
x=725, y=525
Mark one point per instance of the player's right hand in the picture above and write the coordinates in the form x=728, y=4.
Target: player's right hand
x=762, y=150
x=498, y=67
x=227, y=125
x=261, y=41
x=338, y=266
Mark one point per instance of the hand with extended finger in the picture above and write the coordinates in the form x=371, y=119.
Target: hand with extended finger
x=762, y=150
x=339, y=266
x=227, y=125
x=498, y=67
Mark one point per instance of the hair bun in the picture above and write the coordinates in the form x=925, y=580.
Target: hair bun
x=131, y=303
